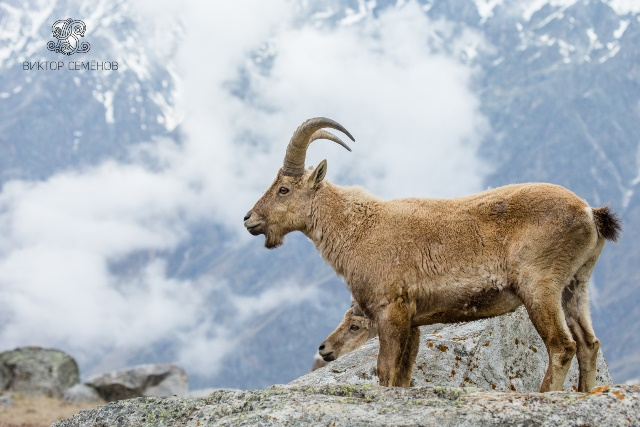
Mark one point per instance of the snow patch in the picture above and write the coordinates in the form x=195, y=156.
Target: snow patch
x=364, y=9
x=169, y=118
x=594, y=44
x=485, y=8
x=624, y=24
x=20, y=28
x=613, y=48
x=106, y=99
x=537, y=5
x=624, y=7
x=565, y=49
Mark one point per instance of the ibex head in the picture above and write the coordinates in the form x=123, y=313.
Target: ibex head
x=354, y=330
x=285, y=206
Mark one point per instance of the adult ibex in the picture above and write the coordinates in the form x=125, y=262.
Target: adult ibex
x=412, y=262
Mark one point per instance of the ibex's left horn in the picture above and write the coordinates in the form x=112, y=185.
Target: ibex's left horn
x=306, y=133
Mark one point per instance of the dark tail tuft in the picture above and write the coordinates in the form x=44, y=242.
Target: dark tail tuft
x=608, y=224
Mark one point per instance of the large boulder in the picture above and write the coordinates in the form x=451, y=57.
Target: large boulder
x=142, y=380
x=37, y=371
x=500, y=353
x=369, y=405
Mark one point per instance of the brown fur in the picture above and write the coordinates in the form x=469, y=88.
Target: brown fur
x=412, y=262
x=354, y=330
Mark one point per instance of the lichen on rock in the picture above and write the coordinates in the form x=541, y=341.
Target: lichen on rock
x=368, y=405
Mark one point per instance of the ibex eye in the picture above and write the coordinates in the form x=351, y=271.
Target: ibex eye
x=354, y=328
x=283, y=190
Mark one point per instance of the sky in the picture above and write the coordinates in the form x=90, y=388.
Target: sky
x=409, y=105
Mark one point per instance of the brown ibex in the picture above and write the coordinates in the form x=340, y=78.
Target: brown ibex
x=412, y=262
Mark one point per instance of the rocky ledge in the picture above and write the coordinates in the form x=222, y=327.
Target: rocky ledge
x=482, y=373
x=370, y=405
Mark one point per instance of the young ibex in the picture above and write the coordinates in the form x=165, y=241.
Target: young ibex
x=354, y=330
x=412, y=262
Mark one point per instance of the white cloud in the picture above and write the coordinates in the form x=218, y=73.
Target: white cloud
x=113, y=209
x=416, y=123
x=410, y=109
x=251, y=306
x=57, y=287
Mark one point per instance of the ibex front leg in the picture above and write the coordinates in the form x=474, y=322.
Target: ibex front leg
x=398, y=345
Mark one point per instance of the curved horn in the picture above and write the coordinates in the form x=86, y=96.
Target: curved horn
x=306, y=133
x=323, y=134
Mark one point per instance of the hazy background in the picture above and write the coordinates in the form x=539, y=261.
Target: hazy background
x=123, y=191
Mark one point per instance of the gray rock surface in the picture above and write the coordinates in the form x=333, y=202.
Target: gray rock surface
x=503, y=353
x=82, y=393
x=203, y=392
x=141, y=380
x=37, y=371
x=500, y=353
x=368, y=405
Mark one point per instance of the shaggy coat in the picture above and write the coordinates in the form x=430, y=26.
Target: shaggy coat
x=412, y=262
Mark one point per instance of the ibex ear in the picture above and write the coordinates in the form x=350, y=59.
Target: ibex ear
x=318, y=174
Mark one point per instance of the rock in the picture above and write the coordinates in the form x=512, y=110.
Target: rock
x=369, y=405
x=81, y=394
x=142, y=380
x=500, y=353
x=38, y=371
x=202, y=392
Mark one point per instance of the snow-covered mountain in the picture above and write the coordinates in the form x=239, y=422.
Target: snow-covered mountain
x=56, y=119
x=120, y=188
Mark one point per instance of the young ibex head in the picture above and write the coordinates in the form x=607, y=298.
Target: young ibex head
x=284, y=206
x=354, y=330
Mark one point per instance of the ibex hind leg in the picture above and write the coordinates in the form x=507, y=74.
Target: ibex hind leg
x=548, y=318
x=575, y=301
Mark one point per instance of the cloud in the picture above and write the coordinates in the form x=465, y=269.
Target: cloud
x=416, y=122
x=410, y=108
x=58, y=287
x=112, y=210
x=247, y=81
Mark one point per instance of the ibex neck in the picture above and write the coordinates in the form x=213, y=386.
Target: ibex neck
x=338, y=219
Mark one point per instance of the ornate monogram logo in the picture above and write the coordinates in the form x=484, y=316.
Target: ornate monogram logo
x=68, y=33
